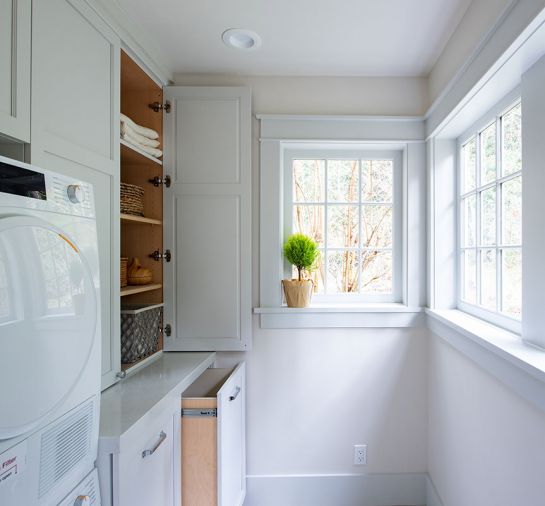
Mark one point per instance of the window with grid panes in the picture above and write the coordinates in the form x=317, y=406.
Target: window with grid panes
x=490, y=217
x=350, y=206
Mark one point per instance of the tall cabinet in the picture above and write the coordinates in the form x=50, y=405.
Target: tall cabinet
x=15, y=69
x=75, y=129
x=195, y=232
x=194, y=235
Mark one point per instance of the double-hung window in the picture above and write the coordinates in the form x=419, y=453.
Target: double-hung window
x=490, y=218
x=349, y=202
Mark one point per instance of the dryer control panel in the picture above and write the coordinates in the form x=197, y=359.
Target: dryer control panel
x=23, y=185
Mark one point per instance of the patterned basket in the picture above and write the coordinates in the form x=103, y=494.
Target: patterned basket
x=132, y=199
x=140, y=330
x=123, y=271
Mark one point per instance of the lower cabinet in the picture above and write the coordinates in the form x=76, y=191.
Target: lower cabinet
x=213, y=439
x=146, y=469
x=142, y=471
x=164, y=459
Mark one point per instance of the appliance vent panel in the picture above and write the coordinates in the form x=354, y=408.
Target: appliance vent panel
x=64, y=446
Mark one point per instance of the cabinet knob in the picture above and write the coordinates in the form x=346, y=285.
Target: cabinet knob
x=75, y=193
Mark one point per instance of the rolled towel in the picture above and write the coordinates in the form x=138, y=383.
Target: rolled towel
x=157, y=153
x=146, y=132
x=126, y=129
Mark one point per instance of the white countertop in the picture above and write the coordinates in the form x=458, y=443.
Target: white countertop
x=149, y=390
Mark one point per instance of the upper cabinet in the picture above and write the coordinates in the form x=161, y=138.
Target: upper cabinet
x=75, y=128
x=15, y=68
x=207, y=146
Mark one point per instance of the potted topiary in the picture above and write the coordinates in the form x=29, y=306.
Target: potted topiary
x=301, y=251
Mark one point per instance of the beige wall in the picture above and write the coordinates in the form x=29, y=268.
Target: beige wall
x=479, y=19
x=397, y=96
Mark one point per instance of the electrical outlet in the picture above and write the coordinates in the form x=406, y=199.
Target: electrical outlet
x=360, y=455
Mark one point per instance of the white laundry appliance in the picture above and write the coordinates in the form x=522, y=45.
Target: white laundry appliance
x=49, y=338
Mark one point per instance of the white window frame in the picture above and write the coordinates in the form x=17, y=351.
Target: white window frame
x=493, y=116
x=328, y=151
x=278, y=133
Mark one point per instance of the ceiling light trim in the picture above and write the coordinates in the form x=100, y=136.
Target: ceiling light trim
x=241, y=39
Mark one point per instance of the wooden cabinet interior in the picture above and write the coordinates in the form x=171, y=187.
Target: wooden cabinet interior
x=141, y=236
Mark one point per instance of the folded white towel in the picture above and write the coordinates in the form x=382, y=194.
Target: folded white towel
x=146, y=132
x=157, y=153
x=126, y=129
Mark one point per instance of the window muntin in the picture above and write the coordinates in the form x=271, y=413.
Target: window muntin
x=349, y=203
x=490, y=205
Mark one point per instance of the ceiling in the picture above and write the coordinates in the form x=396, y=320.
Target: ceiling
x=301, y=37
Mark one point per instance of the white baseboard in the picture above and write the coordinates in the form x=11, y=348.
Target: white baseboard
x=432, y=497
x=338, y=490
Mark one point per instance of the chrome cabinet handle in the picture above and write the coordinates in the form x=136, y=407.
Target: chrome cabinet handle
x=147, y=453
x=235, y=395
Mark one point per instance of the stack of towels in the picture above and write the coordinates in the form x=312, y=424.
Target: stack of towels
x=141, y=137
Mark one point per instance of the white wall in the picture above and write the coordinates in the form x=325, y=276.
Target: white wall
x=486, y=444
x=533, y=207
x=312, y=394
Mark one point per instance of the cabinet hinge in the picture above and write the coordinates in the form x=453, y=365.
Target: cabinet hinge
x=157, y=106
x=168, y=330
x=158, y=181
x=158, y=256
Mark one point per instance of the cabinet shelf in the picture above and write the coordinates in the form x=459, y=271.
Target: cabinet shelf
x=133, y=289
x=130, y=368
x=130, y=218
x=131, y=155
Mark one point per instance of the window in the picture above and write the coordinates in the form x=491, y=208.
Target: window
x=349, y=203
x=490, y=217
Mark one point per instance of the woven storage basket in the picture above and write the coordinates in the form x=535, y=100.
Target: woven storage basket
x=140, y=330
x=123, y=271
x=132, y=199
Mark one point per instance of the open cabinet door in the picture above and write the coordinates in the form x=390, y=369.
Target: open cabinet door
x=207, y=218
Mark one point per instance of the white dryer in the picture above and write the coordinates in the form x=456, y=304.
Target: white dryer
x=49, y=336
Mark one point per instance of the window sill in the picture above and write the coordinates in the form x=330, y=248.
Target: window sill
x=373, y=315
x=518, y=364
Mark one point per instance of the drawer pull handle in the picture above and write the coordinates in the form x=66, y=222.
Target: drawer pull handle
x=147, y=453
x=235, y=395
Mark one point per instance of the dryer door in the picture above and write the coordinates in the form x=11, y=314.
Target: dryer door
x=48, y=318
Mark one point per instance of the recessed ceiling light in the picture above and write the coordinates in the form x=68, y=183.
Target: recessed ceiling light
x=240, y=38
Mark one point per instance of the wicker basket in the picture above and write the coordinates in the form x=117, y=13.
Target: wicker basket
x=123, y=271
x=132, y=199
x=140, y=330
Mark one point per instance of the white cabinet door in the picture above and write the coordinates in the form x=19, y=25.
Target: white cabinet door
x=15, y=36
x=232, y=439
x=207, y=215
x=75, y=129
x=145, y=466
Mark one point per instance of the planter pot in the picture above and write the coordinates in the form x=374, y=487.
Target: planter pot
x=298, y=293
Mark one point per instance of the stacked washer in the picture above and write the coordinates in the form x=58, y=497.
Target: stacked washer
x=49, y=338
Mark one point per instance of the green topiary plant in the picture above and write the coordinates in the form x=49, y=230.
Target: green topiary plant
x=301, y=251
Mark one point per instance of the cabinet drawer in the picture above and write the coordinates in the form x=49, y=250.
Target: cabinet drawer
x=213, y=439
x=146, y=467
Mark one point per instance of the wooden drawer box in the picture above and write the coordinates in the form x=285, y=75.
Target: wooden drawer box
x=213, y=439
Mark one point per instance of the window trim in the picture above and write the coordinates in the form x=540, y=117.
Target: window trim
x=332, y=151
x=491, y=117
x=280, y=132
